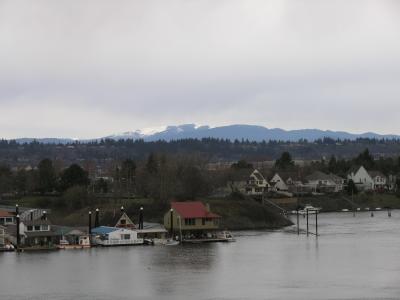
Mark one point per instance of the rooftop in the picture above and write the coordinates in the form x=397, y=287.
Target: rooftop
x=6, y=214
x=195, y=209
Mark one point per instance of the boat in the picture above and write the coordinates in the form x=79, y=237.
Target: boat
x=171, y=242
x=115, y=236
x=84, y=243
x=226, y=236
x=345, y=210
x=378, y=208
x=222, y=236
x=308, y=208
x=7, y=248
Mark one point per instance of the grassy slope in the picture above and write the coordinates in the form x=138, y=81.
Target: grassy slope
x=236, y=214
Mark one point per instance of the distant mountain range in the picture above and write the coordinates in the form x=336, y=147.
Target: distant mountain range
x=231, y=132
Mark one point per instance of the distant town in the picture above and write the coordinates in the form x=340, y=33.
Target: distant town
x=171, y=198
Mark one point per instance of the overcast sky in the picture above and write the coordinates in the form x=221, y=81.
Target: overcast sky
x=91, y=68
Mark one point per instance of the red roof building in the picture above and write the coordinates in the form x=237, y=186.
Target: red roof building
x=6, y=217
x=194, y=209
x=191, y=217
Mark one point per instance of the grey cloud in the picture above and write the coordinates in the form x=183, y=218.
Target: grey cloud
x=118, y=66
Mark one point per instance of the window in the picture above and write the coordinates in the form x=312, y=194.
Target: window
x=37, y=227
x=29, y=228
x=123, y=221
x=9, y=220
x=45, y=227
x=190, y=222
x=125, y=236
x=203, y=221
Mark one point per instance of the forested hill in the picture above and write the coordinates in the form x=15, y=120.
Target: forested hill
x=13, y=153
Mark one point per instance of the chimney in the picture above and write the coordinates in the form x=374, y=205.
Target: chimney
x=44, y=216
x=207, y=207
x=122, y=209
x=31, y=215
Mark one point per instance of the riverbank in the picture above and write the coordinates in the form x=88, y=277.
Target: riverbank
x=237, y=214
x=332, y=203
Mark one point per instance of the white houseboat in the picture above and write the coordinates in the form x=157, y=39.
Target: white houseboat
x=114, y=236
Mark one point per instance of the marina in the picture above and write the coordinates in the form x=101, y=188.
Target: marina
x=272, y=264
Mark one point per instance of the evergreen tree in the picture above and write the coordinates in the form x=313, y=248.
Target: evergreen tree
x=47, y=176
x=74, y=175
x=284, y=162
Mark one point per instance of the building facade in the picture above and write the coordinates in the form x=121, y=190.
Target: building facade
x=191, y=218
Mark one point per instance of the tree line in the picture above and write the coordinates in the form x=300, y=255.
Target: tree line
x=163, y=177
x=14, y=154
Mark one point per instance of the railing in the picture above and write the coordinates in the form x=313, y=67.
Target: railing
x=119, y=242
x=36, y=214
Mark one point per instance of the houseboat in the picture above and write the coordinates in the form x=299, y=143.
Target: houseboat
x=193, y=222
x=114, y=236
x=73, y=238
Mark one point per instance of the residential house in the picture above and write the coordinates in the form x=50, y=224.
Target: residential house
x=193, y=219
x=379, y=180
x=256, y=184
x=365, y=180
x=38, y=233
x=278, y=184
x=325, y=183
x=7, y=218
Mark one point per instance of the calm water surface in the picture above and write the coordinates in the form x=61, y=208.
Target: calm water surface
x=353, y=258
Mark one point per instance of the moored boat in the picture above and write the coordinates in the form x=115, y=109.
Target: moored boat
x=84, y=243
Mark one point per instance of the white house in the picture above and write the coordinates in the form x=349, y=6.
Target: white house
x=365, y=180
x=114, y=236
x=278, y=184
x=379, y=179
x=325, y=182
x=256, y=184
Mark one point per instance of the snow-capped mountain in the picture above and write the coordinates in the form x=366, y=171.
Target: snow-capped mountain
x=231, y=132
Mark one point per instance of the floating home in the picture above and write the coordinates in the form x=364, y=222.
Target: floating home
x=193, y=222
x=114, y=236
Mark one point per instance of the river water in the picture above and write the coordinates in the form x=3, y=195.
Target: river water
x=353, y=258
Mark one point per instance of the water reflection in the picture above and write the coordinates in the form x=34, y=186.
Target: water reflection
x=353, y=258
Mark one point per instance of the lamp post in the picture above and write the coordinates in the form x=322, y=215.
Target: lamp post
x=97, y=218
x=18, y=222
x=172, y=222
x=141, y=218
x=90, y=222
